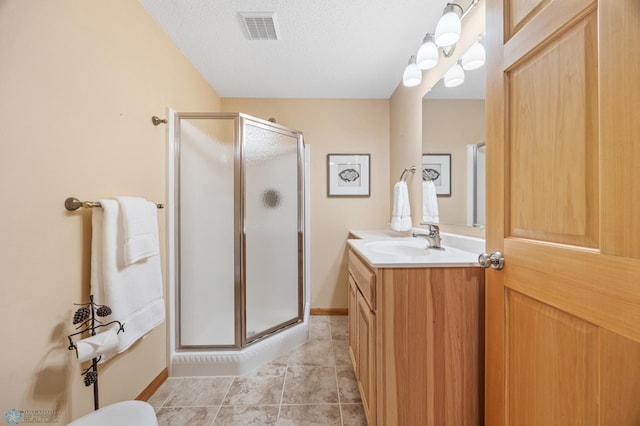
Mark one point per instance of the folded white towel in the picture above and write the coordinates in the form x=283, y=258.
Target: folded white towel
x=401, y=215
x=429, y=202
x=140, y=228
x=134, y=292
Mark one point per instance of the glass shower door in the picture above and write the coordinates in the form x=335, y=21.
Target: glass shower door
x=206, y=238
x=273, y=246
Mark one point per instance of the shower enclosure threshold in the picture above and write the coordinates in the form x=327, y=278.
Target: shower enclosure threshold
x=239, y=361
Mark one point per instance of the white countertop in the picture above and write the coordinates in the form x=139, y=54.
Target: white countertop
x=391, y=249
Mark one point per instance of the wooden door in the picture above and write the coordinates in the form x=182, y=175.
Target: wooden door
x=563, y=161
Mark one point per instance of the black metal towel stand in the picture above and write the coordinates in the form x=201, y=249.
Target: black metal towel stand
x=85, y=316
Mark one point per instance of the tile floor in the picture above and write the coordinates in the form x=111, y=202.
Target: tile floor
x=312, y=385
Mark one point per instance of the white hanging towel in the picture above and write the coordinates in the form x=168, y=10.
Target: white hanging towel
x=140, y=218
x=134, y=292
x=429, y=202
x=401, y=215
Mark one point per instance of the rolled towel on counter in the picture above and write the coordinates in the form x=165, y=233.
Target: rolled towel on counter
x=95, y=346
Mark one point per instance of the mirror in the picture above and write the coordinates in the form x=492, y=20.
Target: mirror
x=453, y=123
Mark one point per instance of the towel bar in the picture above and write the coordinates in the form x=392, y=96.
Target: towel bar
x=72, y=203
x=411, y=169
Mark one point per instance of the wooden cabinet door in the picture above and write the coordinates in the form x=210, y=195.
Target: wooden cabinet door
x=353, y=322
x=366, y=357
x=563, y=161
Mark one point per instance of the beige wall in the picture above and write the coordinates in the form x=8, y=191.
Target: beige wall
x=405, y=129
x=334, y=126
x=406, y=111
x=79, y=82
x=448, y=126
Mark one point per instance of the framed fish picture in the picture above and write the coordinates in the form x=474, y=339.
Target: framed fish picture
x=348, y=175
x=437, y=168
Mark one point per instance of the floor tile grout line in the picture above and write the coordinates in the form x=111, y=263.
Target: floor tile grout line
x=310, y=403
x=284, y=383
x=213, y=422
x=223, y=399
x=192, y=406
x=164, y=402
x=170, y=393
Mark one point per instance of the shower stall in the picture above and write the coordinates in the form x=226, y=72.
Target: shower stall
x=237, y=267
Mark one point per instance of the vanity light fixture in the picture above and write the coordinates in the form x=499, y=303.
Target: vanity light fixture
x=428, y=53
x=449, y=26
x=445, y=37
x=455, y=76
x=474, y=57
x=412, y=75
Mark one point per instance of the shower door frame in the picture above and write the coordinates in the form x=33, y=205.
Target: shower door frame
x=472, y=184
x=240, y=335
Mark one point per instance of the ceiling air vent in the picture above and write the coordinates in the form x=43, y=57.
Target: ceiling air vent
x=260, y=25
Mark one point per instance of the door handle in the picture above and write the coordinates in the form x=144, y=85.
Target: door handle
x=495, y=260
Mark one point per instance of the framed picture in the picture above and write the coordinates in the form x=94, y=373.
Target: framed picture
x=348, y=175
x=437, y=167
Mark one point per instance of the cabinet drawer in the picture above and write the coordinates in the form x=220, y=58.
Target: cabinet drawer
x=364, y=277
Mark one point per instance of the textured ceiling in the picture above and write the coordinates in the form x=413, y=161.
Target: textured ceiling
x=327, y=48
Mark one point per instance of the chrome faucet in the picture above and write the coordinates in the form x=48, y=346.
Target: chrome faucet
x=433, y=237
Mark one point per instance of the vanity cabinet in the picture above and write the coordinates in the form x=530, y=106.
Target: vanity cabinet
x=416, y=342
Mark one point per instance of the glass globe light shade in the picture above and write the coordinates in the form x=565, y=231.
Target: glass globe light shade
x=412, y=75
x=454, y=77
x=449, y=27
x=474, y=58
x=427, y=54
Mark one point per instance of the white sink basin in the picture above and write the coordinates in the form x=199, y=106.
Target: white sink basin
x=400, y=247
x=408, y=252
